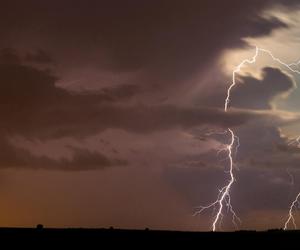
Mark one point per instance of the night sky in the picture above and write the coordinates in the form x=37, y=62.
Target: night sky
x=112, y=112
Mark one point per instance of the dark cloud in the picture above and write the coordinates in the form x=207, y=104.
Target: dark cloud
x=170, y=41
x=82, y=159
x=251, y=92
x=39, y=56
x=120, y=92
x=254, y=93
x=264, y=146
x=9, y=56
x=33, y=105
x=200, y=187
x=289, y=148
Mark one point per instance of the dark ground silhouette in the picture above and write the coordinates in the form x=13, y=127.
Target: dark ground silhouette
x=43, y=238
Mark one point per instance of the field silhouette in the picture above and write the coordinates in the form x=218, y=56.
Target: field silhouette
x=42, y=238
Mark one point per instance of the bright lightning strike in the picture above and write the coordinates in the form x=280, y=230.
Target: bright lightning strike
x=223, y=198
x=291, y=215
x=296, y=202
x=234, y=73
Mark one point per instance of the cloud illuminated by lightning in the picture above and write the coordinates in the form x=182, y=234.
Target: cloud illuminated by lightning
x=224, y=198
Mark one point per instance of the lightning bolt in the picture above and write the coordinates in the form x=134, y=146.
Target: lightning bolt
x=291, y=215
x=224, y=198
x=295, y=202
x=234, y=73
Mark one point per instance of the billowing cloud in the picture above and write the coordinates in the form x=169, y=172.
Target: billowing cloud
x=258, y=94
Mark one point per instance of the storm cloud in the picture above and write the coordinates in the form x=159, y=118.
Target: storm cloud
x=133, y=88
